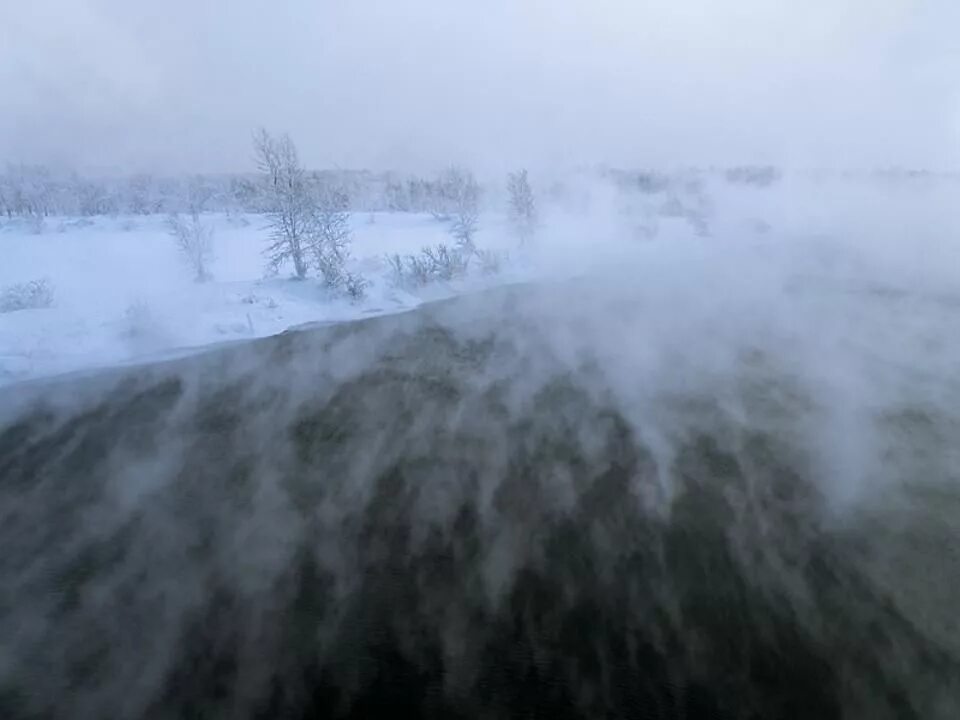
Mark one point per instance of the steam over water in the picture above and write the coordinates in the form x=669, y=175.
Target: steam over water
x=638, y=497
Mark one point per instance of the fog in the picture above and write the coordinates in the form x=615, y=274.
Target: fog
x=694, y=452
x=730, y=449
x=414, y=84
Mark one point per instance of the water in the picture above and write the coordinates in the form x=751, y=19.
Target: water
x=568, y=500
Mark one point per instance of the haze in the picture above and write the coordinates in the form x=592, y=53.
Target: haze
x=412, y=84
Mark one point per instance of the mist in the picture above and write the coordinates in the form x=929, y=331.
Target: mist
x=178, y=86
x=348, y=422
x=730, y=448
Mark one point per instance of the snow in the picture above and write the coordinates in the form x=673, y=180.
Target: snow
x=123, y=294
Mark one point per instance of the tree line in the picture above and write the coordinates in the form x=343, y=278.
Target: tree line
x=309, y=223
x=32, y=190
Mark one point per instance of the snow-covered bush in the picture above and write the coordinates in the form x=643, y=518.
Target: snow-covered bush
x=463, y=228
x=331, y=270
x=194, y=239
x=446, y=263
x=328, y=238
x=31, y=295
x=356, y=286
x=522, y=207
x=336, y=278
x=409, y=270
x=432, y=264
x=330, y=259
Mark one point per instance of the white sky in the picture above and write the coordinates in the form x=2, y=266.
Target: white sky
x=412, y=84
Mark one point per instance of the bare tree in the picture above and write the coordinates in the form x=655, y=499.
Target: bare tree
x=289, y=205
x=194, y=239
x=522, y=208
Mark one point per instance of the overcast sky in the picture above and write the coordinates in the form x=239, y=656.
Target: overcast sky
x=412, y=84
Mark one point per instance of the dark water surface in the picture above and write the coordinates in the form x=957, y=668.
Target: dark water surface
x=445, y=514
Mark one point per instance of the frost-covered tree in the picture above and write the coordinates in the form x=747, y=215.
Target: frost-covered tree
x=199, y=194
x=194, y=239
x=308, y=216
x=464, y=227
x=418, y=194
x=94, y=197
x=396, y=197
x=28, y=191
x=140, y=200
x=330, y=240
x=289, y=205
x=522, y=206
x=461, y=194
x=329, y=237
x=6, y=202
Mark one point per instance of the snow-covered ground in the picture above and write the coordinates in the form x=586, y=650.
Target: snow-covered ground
x=122, y=293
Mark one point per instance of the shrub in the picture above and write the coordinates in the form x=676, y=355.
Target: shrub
x=31, y=295
x=432, y=264
x=356, y=286
x=194, y=239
